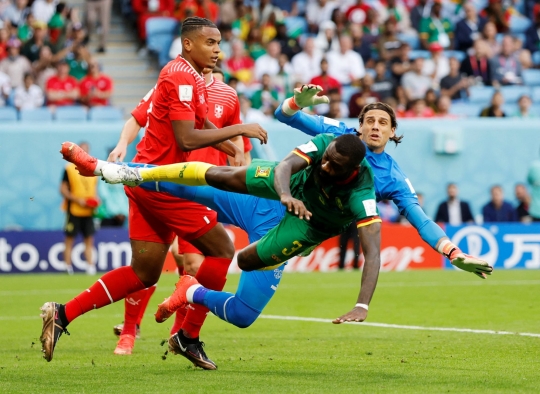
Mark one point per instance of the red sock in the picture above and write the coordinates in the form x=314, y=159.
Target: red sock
x=180, y=314
x=179, y=318
x=212, y=274
x=144, y=303
x=134, y=307
x=111, y=287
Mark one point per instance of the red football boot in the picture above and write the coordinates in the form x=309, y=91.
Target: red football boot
x=85, y=163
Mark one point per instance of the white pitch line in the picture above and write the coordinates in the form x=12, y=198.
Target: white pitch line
x=319, y=320
x=488, y=282
x=403, y=327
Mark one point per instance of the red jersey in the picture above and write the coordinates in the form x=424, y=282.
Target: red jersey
x=326, y=82
x=102, y=83
x=67, y=84
x=247, y=144
x=223, y=111
x=180, y=94
x=140, y=113
x=357, y=13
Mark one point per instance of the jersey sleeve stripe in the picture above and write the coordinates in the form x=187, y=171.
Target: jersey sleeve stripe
x=368, y=221
x=302, y=155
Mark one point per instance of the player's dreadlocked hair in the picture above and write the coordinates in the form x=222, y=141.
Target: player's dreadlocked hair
x=351, y=146
x=194, y=23
x=386, y=108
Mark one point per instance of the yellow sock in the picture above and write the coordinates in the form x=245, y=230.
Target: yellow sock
x=189, y=174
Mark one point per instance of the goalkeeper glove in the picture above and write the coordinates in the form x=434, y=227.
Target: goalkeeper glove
x=306, y=96
x=466, y=262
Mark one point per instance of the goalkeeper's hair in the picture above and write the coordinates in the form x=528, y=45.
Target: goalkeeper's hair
x=386, y=108
x=194, y=23
x=349, y=145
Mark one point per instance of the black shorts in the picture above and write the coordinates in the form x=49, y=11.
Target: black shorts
x=77, y=224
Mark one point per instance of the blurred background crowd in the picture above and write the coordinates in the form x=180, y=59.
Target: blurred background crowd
x=45, y=59
x=426, y=58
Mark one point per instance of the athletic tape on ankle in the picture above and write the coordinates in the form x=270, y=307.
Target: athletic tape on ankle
x=359, y=305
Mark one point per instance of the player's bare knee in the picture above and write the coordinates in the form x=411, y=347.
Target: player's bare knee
x=244, y=263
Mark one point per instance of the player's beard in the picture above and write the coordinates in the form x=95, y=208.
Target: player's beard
x=327, y=179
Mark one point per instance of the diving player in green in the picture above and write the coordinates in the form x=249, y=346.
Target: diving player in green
x=326, y=181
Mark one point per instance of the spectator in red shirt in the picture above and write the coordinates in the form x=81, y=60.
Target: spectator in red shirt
x=201, y=8
x=325, y=80
x=62, y=89
x=240, y=65
x=419, y=109
x=4, y=36
x=496, y=13
x=146, y=9
x=96, y=88
x=358, y=12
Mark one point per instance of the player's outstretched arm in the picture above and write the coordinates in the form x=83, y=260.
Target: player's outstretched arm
x=370, y=237
x=188, y=138
x=289, y=113
x=230, y=148
x=432, y=234
x=282, y=180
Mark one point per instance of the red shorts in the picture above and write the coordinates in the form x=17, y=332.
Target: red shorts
x=186, y=247
x=158, y=217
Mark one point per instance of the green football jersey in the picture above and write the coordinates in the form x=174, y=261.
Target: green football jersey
x=337, y=205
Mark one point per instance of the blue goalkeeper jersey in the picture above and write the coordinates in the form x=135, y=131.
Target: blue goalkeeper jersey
x=390, y=181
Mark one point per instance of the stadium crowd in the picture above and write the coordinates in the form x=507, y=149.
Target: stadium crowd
x=420, y=56
x=45, y=59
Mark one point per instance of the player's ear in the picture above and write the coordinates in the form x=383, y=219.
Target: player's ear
x=187, y=44
x=393, y=132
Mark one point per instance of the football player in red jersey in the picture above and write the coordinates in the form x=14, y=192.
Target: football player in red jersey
x=224, y=110
x=177, y=123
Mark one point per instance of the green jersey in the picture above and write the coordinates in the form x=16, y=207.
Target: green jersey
x=333, y=207
x=336, y=205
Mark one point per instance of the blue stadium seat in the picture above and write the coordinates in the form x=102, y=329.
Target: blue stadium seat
x=535, y=110
x=419, y=53
x=70, y=114
x=459, y=55
x=531, y=77
x=105, y=114
x=8, y=114
x=296, y=26
x=481, y=94
x=518, y=24
x=535, y=95
x=412, y=40
x=536, y=58
x=36, y=115
x=511, y=94
x=510, y=109
x=469, y=110
x=160, y=32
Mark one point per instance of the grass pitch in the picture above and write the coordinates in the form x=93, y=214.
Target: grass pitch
x=282, y=356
